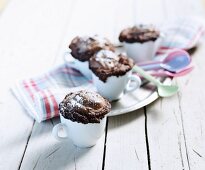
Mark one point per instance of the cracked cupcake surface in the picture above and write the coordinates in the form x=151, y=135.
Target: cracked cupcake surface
x=141, y=34
x=106, y=63
x=84, y=107
x=82, y=48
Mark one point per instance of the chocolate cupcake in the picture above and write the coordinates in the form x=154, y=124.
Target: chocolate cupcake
x=84, y=107
x=82, y=48
x=141, y=34
x=141, y=42
x=112, y=74
x=106, y=63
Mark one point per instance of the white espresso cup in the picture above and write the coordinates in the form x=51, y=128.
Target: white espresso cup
x=82, y=135
x=82, y=66
x=141, y=52
x=115, y=87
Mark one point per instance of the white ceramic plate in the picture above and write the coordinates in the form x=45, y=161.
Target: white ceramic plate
x=136, y=100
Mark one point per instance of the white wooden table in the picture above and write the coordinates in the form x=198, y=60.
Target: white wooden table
x=168, y=134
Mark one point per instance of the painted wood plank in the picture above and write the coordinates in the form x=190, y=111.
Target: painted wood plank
x=164, y=132
x=92, y=17
x=149, y=12
x=126, y=137
x=29, y=42
x=190, y=97
x=44, y=152
x=167, y=134
x=191, y=100
x=126, y=144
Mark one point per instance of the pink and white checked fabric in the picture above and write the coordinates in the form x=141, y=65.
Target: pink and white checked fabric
x=41, y=95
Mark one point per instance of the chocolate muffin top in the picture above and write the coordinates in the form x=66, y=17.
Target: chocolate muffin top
x=84, y=107
x=141, y=34
x=106, y=63
x=82, y=48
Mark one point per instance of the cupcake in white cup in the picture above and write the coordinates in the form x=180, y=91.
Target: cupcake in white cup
x=112, y=74
x=83, y=118
x=82, y=48
x=141, y=42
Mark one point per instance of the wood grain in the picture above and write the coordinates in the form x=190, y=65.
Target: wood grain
x=131, y=142
x=27, y=48
x=126, y=144
x=171, y=140
x=169, y=134
x=50, y=154
x=125, y=140
x=192, y=111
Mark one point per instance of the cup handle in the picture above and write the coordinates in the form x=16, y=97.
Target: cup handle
x=137, y=84
x=56, y=129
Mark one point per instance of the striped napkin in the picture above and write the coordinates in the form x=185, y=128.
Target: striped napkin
x=184, y=33
x=41, y=95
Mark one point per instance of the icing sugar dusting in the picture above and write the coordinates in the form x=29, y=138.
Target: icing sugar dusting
x=88, y=42
x=76, y=101
x=107, y=58
x=94, y=97
x=78, y=98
